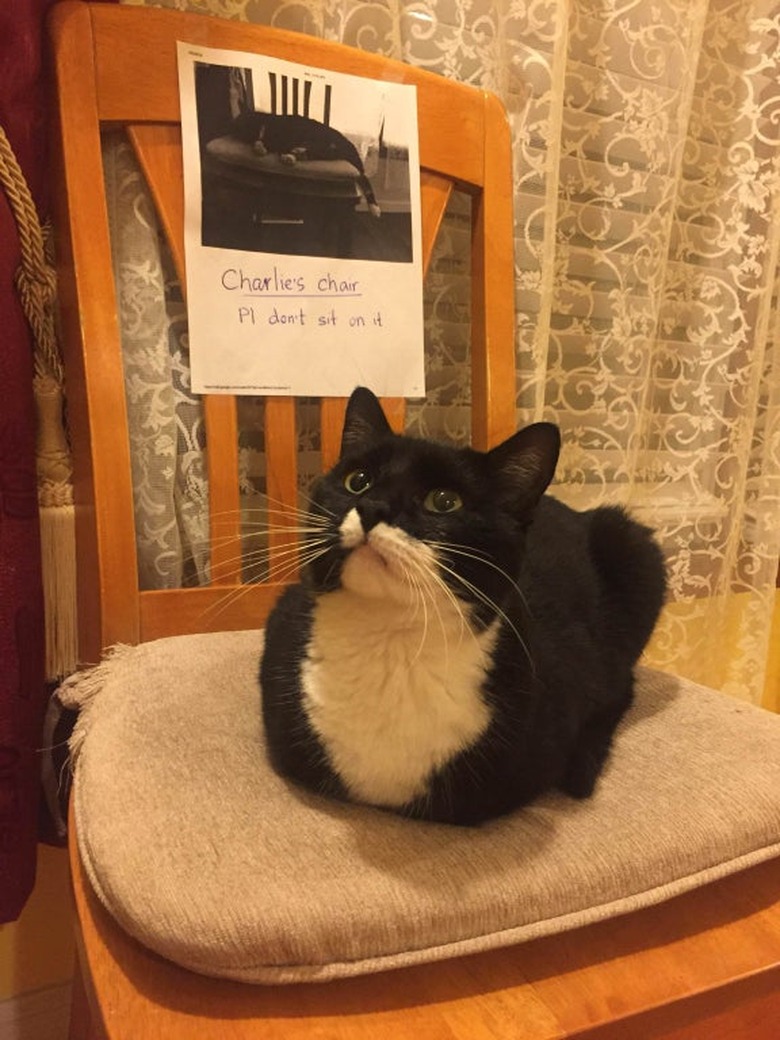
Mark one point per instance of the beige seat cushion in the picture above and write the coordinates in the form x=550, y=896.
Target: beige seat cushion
x=202, y=853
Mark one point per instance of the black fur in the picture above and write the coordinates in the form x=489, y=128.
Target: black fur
x=584, y=592
x=300, y=139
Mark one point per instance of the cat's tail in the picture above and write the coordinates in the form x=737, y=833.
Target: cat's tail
x=633, y=574
x=353, y=155
x=368, y=191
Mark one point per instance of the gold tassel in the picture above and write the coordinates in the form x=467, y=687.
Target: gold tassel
x=58, y=558
x=36, y=283
x=58, y=530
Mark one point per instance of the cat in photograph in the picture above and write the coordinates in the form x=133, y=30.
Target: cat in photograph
x=460, y=641
x=300, y=139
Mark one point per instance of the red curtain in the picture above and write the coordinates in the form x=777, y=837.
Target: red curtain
x=22, y=691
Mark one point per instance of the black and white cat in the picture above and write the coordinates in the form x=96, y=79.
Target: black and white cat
x=460, y=642
x=300, y=139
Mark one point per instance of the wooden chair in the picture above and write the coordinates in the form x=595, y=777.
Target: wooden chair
x=704, y=965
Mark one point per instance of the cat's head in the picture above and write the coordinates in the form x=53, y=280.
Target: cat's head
x=408, y=516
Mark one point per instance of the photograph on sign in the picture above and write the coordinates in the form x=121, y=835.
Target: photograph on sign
x=302, y=228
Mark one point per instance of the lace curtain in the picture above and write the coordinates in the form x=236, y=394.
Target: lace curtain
x=647, y=170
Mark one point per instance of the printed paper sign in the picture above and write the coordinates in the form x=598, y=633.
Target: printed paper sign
x=302, y=228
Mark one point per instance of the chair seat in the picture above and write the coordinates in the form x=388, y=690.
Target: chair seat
x=203, y=854
x=236, y=160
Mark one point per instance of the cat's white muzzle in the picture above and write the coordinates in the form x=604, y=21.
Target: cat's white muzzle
x=383, y=562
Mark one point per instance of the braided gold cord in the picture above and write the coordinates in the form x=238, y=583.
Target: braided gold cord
x=36, y=283
x=35, y=280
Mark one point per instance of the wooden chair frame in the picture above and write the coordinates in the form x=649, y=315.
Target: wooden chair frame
x=100, y=53
x=705, y=965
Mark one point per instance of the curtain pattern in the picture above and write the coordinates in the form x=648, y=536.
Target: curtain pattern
x=647, y=171
x=165, y=419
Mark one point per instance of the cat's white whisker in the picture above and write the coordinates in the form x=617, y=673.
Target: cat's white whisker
x=284, y=571
x=492, y=605
x=255, y=559
x=435, y=582
x=318, y=505
x=279, y=574
x=214, y=610
x=430, y=582
x=433, y=588
x=419, y=601
x=294, y=562
x=243, y=539
x=274, y=509
x=296, y=545
x=266, y=551
x=257, y=530
x=471, y=554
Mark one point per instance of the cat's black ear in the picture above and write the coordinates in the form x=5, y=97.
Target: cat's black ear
x=524, y=465
x=364, y=422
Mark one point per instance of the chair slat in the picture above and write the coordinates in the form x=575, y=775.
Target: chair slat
x=224, y=501
x=281, y=460
x=209, y=608
x=493, y=391
x=332, y=410
x=395, y=410
x=435, y=192
x=158, y=149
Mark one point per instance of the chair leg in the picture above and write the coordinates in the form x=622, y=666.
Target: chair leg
x=82, y=1022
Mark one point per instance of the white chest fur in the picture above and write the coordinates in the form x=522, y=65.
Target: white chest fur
x=392, y=692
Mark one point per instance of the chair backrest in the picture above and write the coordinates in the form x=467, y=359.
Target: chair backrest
x=290, y=96
x=117, y=66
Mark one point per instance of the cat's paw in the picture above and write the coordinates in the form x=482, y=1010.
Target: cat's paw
x=259, y=148
x=374, y=209
x=288, y=159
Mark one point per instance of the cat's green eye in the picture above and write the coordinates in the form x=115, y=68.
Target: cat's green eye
x=440, y=500
x=358, y=481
